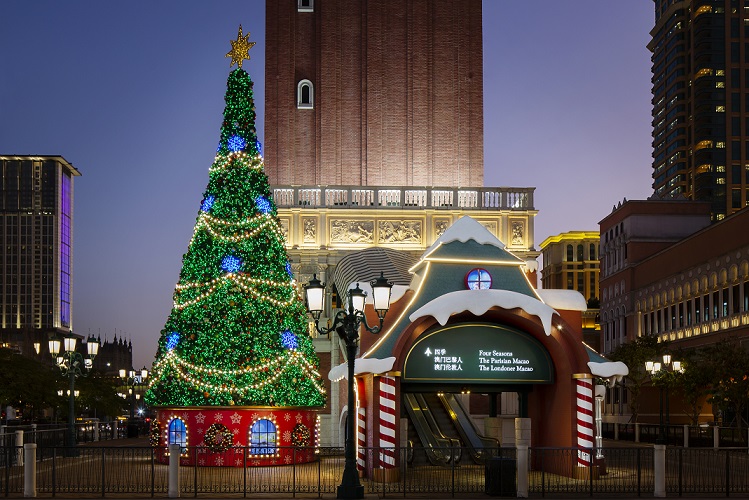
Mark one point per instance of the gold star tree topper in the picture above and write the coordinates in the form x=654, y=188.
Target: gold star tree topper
x=240, y=48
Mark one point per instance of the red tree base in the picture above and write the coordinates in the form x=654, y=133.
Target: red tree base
x=237, y=436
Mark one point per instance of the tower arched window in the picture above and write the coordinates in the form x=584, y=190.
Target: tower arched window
x=305, y=95
x=570, y=254
x=305, y=5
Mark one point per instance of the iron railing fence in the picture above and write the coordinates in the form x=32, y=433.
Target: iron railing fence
x=703, y=471
x=555, y=471
x=552, y=472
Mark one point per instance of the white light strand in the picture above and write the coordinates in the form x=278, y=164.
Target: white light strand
x=243, y=282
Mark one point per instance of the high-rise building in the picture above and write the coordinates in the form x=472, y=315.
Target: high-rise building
x=700, y=67
x=36, y=249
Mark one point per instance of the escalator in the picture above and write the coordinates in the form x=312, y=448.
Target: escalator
x=439, y=449
x=480, y=447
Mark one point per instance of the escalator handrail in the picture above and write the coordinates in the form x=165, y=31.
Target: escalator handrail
x=432, y=446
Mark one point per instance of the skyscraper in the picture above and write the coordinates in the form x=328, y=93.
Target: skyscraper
x=700, y=67
x=36, y=242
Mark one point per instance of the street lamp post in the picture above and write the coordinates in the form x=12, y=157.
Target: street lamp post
x=657, y=372
x=131, y=378
x=72, y=364
x=346, y=324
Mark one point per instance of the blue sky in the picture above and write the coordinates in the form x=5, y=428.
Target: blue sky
x=131, y=93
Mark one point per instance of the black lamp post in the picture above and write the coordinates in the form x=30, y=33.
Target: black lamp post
x=347, y=324
x=658, y=372
x=131, y=379
x=73, y=364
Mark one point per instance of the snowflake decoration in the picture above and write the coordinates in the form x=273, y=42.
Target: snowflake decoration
x=288, y=269
x=172, y=341
x=299, y=418
x=256, y=462
x=231, y=264
x=219, y=461
x=201, y=431
x=289, y=340
x=287, y=417
x=236, y=418
x=254, y=416
x=207, y=203
x=218, y=417
x=262, y=204
x=287, y=436
x=235, y=143
x=200, y=418
x=201, y=461
x=235, y=431
x=287, y=459
x=238, y=462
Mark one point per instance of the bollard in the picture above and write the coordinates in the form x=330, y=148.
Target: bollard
x=716, y=437
x=522, y=470
x=637, y=433
x=96, y=431
x=29, y=470
x=19, y=448
x=659, y=469
x=686, y=435
x=174, y=470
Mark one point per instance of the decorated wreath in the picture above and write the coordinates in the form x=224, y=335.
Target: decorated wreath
x=300, y=435
x=218, y=438
x=154, y=433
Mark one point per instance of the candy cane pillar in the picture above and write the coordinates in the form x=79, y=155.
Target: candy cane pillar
x=387, y=422
x=585, y=434
x=361, y=426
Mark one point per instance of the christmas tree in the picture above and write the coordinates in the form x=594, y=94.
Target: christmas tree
x=237, y=333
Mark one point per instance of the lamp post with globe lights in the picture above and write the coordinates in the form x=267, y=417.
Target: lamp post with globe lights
x=659, y=373
x=132, y=379
x=346, y=324
x=72, y=364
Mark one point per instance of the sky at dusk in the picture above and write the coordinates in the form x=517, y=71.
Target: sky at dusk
x=131, y=93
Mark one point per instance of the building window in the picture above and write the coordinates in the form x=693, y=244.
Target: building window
x=592, y=252
x=570, y=253
x=263, y=438
x=478, y=279
x=305, y=5
x=178, y=434
x=305, y=95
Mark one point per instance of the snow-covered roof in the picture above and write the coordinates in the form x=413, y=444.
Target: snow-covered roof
x=567, y=300
x=362, y=365
x=466, y=228
x=613, y=371
x=480, y=301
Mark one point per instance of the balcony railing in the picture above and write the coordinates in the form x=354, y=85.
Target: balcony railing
x=480, y=198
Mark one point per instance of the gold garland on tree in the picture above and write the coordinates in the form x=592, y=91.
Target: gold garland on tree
x=154, y=433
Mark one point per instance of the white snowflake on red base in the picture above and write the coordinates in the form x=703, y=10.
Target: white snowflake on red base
x=287, y=436
x=235, y=432
x=201, y=431
x=201, y=461
x=238, y=462
x=236, y=418
x=254, y=416
x=299, y=418
x=287, y=416
x=218, y=417
x=287, y=459
x=200, y=418
x=219, y=461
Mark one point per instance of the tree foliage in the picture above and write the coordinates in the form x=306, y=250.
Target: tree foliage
x=26, y=384
x=634, y=354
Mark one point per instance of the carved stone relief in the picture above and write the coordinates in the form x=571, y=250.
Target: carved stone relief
x=284, y=223
x=310, y=231
x=352, y=231
x=408, y=231
x=440, y=226
x=490, y=225
x=518, y=233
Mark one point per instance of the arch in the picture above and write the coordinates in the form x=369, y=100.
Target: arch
x=263, y=439
x=305, y=95
x=733, y=273
x=592, y=251
x=177, y=433
x=570, y=253
x=723, y=276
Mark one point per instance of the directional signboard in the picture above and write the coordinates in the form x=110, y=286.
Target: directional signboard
x=478, y=353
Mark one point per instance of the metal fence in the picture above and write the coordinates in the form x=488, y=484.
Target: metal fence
x=552, y=472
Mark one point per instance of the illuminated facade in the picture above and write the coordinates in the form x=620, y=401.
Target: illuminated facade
x=570, y=262
x=374, y=139
x=36, y=235
x=700, y=67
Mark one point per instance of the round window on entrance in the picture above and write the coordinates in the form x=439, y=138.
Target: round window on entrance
x=478, y=279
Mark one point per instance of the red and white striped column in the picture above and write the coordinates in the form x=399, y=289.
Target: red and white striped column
x=387, y=422
x=361, y=428
x=585, y=428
